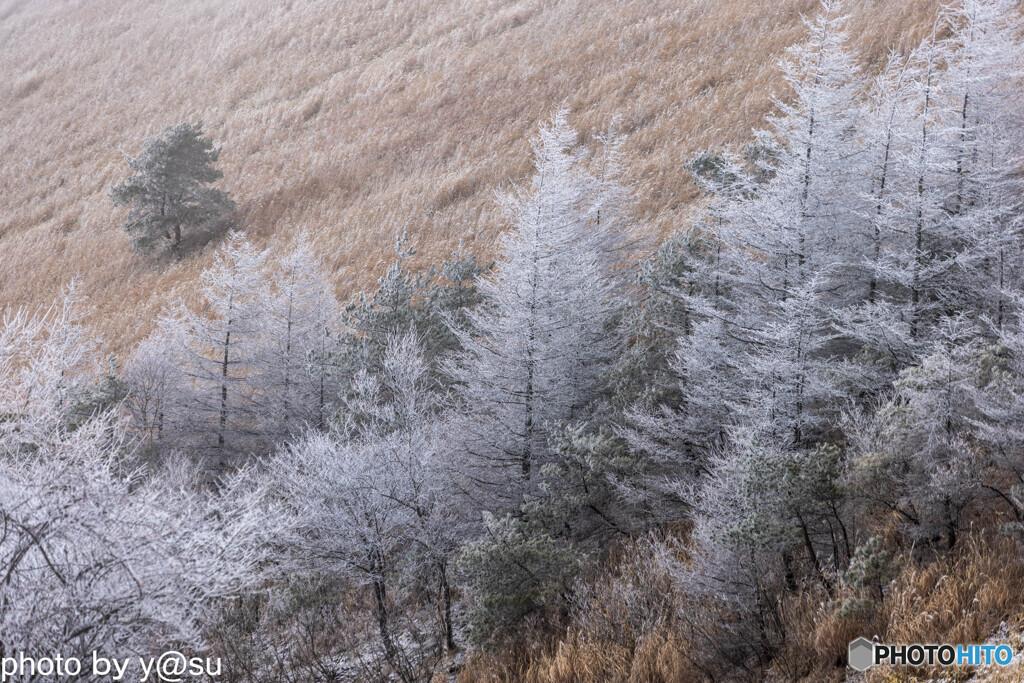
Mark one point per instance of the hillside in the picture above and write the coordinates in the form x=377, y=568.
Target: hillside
x=786, y=425
x=358, y=119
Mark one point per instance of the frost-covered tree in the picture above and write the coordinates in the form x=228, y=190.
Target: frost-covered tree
x=801, y=221
x=216, y=350
x=58, y=371
x=678, y=381
x=392, y=308
x=157, y=384
x=610, y=236
x=984, y=87
x=97, y=554
x=424, y=476
x=542, y=335
x=674, y=281
x=999, y=402
x=509, y=573
x=958, y=210
x=766, y=521
x=47, y=360
x=295, y=331
x=453, y=293
x=169, y=189
x=942, y=214
x=377, y=503
x=345, y=528
x=434, y=302
x=402, y=405
x=874, y=332
x=584, y=494
x=885, y=124
x=916, y=456
x=784, y=249
x=801, y=226
x=737, y=573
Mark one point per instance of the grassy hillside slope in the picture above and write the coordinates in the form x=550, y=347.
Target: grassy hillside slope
x=361, y=119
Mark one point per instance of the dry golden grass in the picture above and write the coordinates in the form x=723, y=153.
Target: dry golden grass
x=962, y=598
x=622, y=629
x=657, y=657
x=360, y=119
x=959, y=599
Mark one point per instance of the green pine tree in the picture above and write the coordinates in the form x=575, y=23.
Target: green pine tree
x=169, y=189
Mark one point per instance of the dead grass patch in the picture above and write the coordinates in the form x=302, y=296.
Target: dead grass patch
x=625, y=627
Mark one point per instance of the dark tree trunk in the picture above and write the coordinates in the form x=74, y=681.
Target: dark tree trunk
x=787, y=566
x=384, y=627
x=815, y=562
x=224, y=391
x=446, y=609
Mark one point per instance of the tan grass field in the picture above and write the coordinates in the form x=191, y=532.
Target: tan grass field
x=361, y=119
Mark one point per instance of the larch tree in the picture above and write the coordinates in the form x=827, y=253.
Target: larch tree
x=999, y=419
x=875, y=330
x=217, y=350
x=541, y=336
x=295, y=329
x=97, y=553
x=786, y=251
x=924, y=264
x=157, y=390
x=984, y=91
x=916, y=457
x=801, y=228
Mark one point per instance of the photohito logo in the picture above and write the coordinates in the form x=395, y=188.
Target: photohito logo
x=864, y=654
